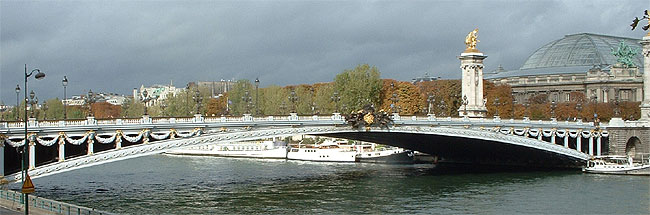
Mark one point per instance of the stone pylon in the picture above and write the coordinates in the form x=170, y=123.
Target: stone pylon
x=645, y=105
x=471, y=65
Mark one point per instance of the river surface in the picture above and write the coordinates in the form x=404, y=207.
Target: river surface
x=163, y=184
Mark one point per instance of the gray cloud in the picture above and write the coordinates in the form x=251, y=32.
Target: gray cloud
x=116, y=46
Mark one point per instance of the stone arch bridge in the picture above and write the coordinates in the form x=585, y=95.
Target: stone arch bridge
x=58, y=146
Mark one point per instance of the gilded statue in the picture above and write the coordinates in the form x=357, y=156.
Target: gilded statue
x=471, y=40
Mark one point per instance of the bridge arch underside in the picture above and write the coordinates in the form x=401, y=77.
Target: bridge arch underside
x=455, y=151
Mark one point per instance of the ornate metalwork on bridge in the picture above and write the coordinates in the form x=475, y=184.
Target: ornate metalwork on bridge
x=367, y=117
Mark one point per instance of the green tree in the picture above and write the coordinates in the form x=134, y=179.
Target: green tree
x=132, y=109
x=272, y=98
x=359, y=86
x=54, y=109
x=323, y=99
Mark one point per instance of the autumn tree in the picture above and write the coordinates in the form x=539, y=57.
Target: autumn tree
x=103, y=110
x=446, y=94
x=409, y=97
x=503, y=93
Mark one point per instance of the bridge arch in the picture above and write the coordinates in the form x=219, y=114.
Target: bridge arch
x=631, y=146
x=435, y=140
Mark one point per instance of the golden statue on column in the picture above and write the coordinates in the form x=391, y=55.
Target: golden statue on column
x=470, y=41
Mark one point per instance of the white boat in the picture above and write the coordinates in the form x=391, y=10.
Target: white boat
x=327, y=151
x=264, y=149
x=614, y=164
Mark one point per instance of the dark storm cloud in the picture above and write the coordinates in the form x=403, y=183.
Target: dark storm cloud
x=116, y=46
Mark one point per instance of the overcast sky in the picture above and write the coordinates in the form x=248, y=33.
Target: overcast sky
x=114, y=46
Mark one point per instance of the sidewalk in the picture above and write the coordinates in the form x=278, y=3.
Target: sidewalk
x=12, y=208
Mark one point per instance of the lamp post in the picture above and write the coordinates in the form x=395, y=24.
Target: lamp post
x=465, y=102
x=197, y=99
x=336, y=98
x=293, y=98
x=90, y=99
x=17, y=101
x=496, y=104
x=394, y=99
x=247, y=101
x=442, y=106
x=32, y=101
x=257, y=98
x=163, y=105
x=430, y=100
x=514, y=104
x=39, y=75
x=64, y=82
x=145, y=99
x=579, y=109
x=617, y=110
x=311, y=98
x=526, y=111
x=553, y=106
x=594, y=101
x=283, y=107
x=44, y=107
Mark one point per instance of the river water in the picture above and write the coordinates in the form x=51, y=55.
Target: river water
x=163, y=184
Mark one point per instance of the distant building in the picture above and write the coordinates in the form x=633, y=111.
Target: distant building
x=157, y=93
x=576, y=63
x=111, y=98
x=426, y=77
x=215, y=88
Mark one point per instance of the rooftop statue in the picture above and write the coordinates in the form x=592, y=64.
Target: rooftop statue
x=635, y=22
x=470, y=41
x=625, y=54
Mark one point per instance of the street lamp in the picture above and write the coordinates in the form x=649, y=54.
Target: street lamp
x=163, y=105
x=465, y=102
x=553, y=106
x=336, y=98
x=65, y=85
x=90, y=99
x=496, y=104
x=145, y=99
x=526, y=110
x=197, y=99
x=431, y=100
x=579, y=109
x=283, y=107
x=293, y=98
x=514, y=103
x=311, y=97
x=39, y=75
x=17, y=101
x=393, y=98
x=44, y=107
x=247, y=101
x=32, y=101
x=442, y=106
x=257, y=98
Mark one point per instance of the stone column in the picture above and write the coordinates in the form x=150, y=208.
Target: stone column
x=645, y=104
x=591, y=145
x=61, y=149
x=471, y=65
x=553, y=138
x=579, y=142
x=598, y=145
x=566, y=140
x=2, y=157
x=32, y=155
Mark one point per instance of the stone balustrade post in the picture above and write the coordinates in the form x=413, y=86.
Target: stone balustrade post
x=32, y=154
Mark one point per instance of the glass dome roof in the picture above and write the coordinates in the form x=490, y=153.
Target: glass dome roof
x=582, y=49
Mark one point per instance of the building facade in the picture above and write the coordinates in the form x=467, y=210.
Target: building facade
x=582, y=63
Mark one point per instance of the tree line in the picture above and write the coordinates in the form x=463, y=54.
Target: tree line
x=348, y=92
